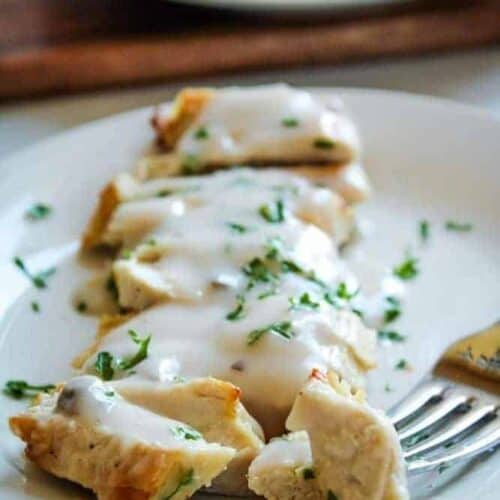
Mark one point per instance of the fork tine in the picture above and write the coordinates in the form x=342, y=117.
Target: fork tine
x=435, y=414
x=488, y=440
x=416, y=401
x=460, y=425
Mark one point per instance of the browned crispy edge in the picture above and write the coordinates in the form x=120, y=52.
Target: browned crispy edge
x=187, y=106
x=109, y=199
x=47, y=445
x=106, y=323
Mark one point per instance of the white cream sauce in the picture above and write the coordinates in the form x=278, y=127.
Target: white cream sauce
x=197, y=262
x=217, y=229
x=271, y=123
x=97, y=404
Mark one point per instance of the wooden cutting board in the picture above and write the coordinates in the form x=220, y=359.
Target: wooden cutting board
x=56, y=46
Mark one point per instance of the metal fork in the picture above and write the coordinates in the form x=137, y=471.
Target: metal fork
x=454, y=413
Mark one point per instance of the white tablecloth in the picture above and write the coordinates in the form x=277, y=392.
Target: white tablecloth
x=472, y=77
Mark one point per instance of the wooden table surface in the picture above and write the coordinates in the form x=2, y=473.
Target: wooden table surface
x=61, y=46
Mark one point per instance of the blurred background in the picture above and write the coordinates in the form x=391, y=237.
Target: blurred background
x=66, y=62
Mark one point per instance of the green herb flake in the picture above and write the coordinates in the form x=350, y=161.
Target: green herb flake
x=187, y=433
x=38, y=211
x=39, y=279
x=283, y=329
x=237, y=228
x=408, y=269
x=308, y=473
x=35, y=306
x=140, y=355
x=109, y=394
x=402, y=364
x=344, y=293
x=323, y=143
x=258, y=271
x=104, y=365
x=201, y=133
x=163, y=193
x=126, y=254
x=423, y=230
x=290, y=122
x=358, y=313
x=303, y=302
x=185, y=480
x=388, y=388
x=393, y=311
x=239, y=311
x=331, y=495
x=390, y=335
x=191, y=165
x=19, y=389
x=458, y=226
x=274, y=214
x=267, y=294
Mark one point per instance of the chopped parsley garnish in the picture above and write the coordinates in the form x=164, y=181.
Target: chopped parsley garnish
x=186, y=433
x=331, y=495
x=458, y=226
x=239, y=311
x=201, y=133
x=237, y=228
x=18, y=389
x=290, y=122
x=393, y=311
x=38, y=279
x=35, y=306
x=258, y=271
x=275, y=214
x=358, y=313
x=323, y=143
x=408, y=269
x=126, y=254
x=303, y=302
x=423, y=230
x=308, y=473
x=163, y=193
x=81, y=306
x=266, y=294
x=38, y=211
x=283, y=329
x=185, y=480
x=402, y=364
x=104, y=365
x=344, y=293
x=391, y=336
x=109, y=394
x=190, y=165
x=387, y=388
x=140, y=355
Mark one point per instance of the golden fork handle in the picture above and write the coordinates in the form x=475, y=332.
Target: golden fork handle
x=474, y=360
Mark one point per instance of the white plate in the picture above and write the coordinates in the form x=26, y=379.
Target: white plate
x=428, y=159
x=289, y=5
